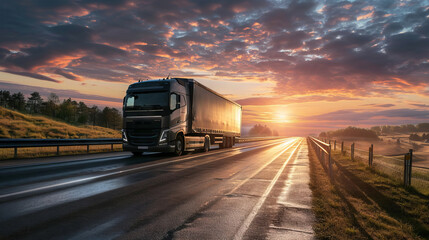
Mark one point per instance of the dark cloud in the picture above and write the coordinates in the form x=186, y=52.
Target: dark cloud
x=33, y=75
x=61, y=93
x=304, y=46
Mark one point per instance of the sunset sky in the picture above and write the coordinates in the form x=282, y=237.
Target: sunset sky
x=299, y=66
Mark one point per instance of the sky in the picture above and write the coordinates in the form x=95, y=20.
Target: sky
x=300, y=67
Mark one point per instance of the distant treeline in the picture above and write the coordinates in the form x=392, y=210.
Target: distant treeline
x=409, y=128
x=350, y=132
x=260, y=130
x=70, y=111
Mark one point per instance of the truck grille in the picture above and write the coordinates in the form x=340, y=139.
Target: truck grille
x=143, y=131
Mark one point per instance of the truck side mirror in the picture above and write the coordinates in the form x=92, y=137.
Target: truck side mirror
x=177, y=101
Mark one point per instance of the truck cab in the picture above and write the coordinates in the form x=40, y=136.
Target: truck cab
x=159, y=115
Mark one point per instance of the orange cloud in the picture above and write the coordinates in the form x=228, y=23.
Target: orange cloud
x=366, y=16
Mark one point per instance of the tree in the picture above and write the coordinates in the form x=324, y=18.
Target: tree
x=4, y=98
x=423, y=127
x=68, y=110
x=83, y=113
x=35, y=102
x=51, y=106
x=17, y=101
x=259, y=130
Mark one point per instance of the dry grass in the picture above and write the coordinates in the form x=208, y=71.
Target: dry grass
x=365, y=204
x=35, y=152
x=18, y=125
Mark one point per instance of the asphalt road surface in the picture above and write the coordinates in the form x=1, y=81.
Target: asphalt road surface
x=254, y=190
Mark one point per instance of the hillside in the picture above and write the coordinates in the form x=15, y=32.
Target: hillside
x=17, y=125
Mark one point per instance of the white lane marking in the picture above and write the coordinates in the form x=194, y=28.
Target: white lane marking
x=263, y=166
x=121, y=172
x=246, y=224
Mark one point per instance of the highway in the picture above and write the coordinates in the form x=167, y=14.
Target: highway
x=246, y=192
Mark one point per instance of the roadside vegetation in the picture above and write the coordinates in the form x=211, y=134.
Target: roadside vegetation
x=260, y=130
x=361, y=203
x=68, y=111
x=350, y=132
x=14, y=124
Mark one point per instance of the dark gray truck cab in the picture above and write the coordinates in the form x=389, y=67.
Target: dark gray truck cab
x=177, y=115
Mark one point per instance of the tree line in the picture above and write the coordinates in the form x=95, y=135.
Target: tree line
x=260, y=130
x=408, y=128
x=350, y=132
x=70, y=111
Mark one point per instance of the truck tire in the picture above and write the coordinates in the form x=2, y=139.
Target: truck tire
x=179, y=146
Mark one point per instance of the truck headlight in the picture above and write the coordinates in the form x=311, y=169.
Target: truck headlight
x=163, y=137
x=124, y=136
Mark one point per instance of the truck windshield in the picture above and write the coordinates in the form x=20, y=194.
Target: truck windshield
x=149, y=100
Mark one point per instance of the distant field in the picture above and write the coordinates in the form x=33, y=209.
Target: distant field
x=389, y=146
x=17, y=125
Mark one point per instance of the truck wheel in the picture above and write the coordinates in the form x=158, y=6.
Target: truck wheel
x=180, y=143
x=137, y=154
x=206, y=144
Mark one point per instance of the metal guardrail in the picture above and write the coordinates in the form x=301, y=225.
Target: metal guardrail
x=27, y=143
x=323, y=151
x=24, y=143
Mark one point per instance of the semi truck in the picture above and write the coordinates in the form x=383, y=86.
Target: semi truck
x=177, y=115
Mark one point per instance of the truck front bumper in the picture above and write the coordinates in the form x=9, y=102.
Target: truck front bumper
x=158, y=148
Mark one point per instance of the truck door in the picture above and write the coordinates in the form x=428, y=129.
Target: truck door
x=175, y=117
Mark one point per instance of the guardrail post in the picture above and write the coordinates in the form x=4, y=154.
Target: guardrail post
x=335, y=144
x=111, y=147
x=15, y=152
x=342, y=147
x=87, y=148
x=58, y=150
x=352, y=151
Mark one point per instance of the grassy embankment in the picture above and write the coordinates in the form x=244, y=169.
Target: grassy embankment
x=361, y=203
x=17, y=125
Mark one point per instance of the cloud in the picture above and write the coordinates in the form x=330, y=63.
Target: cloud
x=33, y=75
x=61, y=93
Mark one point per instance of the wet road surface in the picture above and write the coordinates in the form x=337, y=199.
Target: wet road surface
x=238, y=193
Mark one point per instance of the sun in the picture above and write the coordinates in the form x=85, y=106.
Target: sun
x=281, y=117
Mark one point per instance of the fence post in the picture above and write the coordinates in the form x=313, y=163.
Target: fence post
x=15, y=152
x=342, y=147
x=335, y=144
x=410, y=166
x=406, y=157
x=370, y=154
x=330, y=162
x=352, y=151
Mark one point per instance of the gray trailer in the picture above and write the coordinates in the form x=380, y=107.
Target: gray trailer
x=177, y=115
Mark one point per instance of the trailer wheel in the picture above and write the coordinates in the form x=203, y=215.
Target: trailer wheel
x=179, y=146
x=206, y=144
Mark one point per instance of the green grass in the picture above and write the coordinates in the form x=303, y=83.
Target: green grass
x=364, y=203
x=18, y=125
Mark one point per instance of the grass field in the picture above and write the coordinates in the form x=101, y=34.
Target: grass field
x=362, y=203
x=18, y=125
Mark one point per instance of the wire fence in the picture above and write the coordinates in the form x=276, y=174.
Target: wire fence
x=399, y=167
